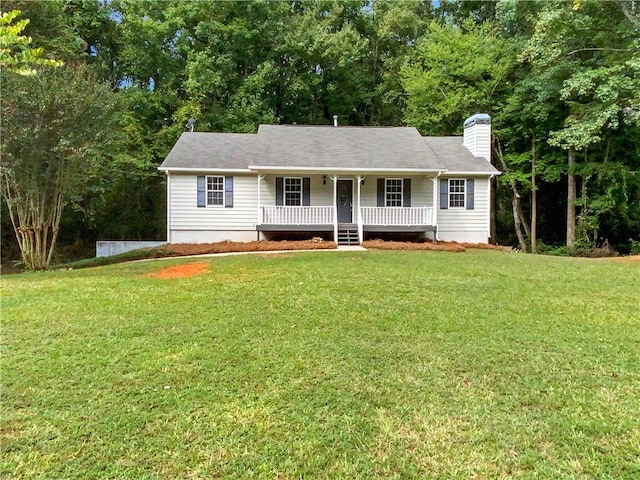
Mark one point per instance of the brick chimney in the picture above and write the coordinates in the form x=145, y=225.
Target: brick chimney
x=477, y=135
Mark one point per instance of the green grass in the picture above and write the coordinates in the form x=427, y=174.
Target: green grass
x=333, y=365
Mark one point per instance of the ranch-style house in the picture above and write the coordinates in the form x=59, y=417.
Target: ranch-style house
x=340, y=182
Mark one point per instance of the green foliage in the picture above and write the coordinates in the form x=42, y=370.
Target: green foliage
x=455, y=71
x=16, y=54
x=557, y=74
x=58, y=132
x=600, y=79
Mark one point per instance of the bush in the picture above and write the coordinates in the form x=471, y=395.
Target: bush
x=580, y=251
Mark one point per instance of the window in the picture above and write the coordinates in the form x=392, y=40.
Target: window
x=457, y=192
x=393, y=192
x=215, y=190
x=293, y=191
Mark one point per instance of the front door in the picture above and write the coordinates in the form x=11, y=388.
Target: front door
x=344, y=201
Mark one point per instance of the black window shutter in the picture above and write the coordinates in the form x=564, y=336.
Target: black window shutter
x=228, y=192
x=381, y=202
x=406, y=192
x=279, y=191
x=470, y=193
x=306, y=191
x=444, y=193
x=201, y=191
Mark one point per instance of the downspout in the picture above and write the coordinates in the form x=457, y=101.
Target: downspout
x=489, y=209
x=168, y=206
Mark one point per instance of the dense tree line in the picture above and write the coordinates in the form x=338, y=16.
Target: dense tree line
x=561, y=80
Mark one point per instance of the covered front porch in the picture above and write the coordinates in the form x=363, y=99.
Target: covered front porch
x=346, y=207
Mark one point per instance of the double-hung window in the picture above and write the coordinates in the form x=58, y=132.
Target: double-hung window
x=293, y=191
x=215, y=190
x=393, y=192
x=457, y=190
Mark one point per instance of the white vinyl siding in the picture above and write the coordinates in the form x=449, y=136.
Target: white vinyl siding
x=185, y=214
x=187, y=222
x=460, y=224
x=477, y=139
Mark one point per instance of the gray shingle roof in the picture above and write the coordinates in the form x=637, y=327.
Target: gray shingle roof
x=456, y=157
x=195, y=150
x=345, y=147
x=324, y=147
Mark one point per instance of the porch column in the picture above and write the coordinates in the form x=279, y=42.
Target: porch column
x=360, y=233
x=335, y=207
x=435, y=203
x=259, y=218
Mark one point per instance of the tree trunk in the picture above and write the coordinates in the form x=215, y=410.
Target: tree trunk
x=517, y=223
x=518, y=216
x=571, y=198
x=534, y=199
x=35, y=220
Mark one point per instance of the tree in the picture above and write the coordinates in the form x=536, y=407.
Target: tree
x=57, y=133
x=455, y=71
x=590, y=51
x=16, y=53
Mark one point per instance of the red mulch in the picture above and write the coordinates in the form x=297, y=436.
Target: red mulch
x=440, y=246
x=179, y=249
x=180, y=271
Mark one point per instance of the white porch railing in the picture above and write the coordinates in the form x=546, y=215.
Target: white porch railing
x=295, y=215
x=397, y=215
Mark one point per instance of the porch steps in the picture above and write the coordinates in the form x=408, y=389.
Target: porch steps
x=348, y=235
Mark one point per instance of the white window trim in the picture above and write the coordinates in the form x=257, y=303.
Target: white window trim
x=284, y=191
x=401, y=192
x=206, y=191
x=464, y=194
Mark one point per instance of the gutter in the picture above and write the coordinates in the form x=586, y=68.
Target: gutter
x=342, y=170
x=456, y=173
x=204, y=170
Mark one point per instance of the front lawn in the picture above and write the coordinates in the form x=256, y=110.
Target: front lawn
x=354, y=365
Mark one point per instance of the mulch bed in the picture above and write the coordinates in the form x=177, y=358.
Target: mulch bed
x=440, y=246
x=179, y=249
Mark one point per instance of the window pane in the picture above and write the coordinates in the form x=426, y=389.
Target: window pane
x=292, y=199
x=215, y=190
x=293, y=191
x=456, y=193
x=393, y=194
